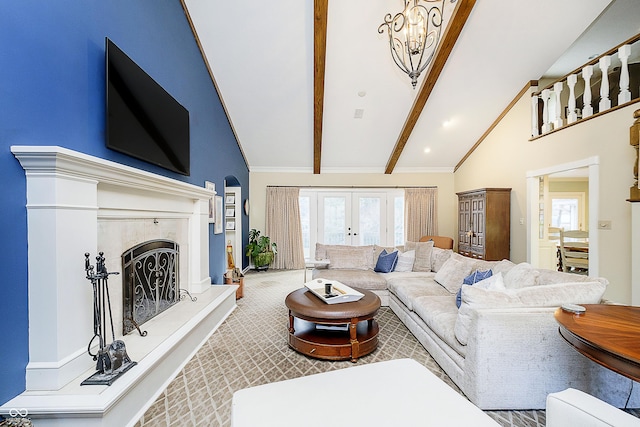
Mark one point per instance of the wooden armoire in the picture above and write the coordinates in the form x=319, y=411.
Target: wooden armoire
x=484, y=223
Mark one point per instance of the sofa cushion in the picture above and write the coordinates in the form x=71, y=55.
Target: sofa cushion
x=554, y=295
x=557, y=294
x=547, y=277
x=405, y=261
x=503, y=266
x=439, y=257
x=386, y=261
x=365, y=279
x=521, y=276
x=423, y=254
x=408, y=289
x=439, y=314
x=321, y=250
x=471, y=279
x=453, y=272
x=350, y=257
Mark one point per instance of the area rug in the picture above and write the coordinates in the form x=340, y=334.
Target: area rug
x=250, y=348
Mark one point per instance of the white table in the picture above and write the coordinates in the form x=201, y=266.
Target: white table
x=313, y=263
x=393, y=393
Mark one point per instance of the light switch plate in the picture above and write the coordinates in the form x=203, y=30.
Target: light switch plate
x=604, y=225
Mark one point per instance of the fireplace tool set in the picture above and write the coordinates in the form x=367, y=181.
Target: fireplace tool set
x=112, y=359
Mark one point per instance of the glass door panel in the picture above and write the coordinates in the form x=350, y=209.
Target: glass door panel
x=369, y=218
x=334, y=211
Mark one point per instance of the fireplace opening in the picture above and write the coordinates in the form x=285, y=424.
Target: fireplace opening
x=150, y=282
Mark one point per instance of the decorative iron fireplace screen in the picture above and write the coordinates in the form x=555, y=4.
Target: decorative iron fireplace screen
x=150, y=283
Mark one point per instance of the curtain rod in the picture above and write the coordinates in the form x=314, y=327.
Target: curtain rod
x=350, y=186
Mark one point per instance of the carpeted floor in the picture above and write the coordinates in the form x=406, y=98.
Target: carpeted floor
x=250, y=348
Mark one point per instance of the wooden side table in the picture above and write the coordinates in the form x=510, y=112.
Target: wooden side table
x=607, y=334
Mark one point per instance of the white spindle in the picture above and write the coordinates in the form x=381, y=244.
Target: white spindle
x=557, y=90
x=571, y=82
x=587, y=109
x=605, y=102
x=623, y=53
x=534, y=115
x=546, y=126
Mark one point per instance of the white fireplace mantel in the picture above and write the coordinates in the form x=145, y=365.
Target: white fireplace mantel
x=68, y=194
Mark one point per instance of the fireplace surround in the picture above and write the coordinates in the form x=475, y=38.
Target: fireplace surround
x=78, y=203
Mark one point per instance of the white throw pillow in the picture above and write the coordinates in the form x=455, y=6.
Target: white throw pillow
x=405, y=261
x=452, y=273
x=495, y=282
x=439, y=257
x=423, y=254
x=521, y=276
x=502, y=266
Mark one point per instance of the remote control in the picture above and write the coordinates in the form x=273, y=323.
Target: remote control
x=574, y=308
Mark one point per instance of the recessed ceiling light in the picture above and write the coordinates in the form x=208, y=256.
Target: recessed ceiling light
x=447, y=123
x=362, y=93
x=427, y=150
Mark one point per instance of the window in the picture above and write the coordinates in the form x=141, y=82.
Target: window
x=567, y=210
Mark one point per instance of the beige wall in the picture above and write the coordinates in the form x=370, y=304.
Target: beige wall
x=447, y=202
x=606, y=137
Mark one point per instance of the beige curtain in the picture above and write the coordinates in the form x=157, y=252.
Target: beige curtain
x=421, y=213
x=284, y=228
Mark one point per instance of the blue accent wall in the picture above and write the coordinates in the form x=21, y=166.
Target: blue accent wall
x=52, y=92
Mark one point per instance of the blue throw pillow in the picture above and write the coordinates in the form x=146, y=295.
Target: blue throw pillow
x=386, y=261
x=474, y=277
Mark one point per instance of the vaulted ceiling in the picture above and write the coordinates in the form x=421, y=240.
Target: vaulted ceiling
x=310, y=86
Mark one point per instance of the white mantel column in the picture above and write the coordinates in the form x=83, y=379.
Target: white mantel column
x=61, y=218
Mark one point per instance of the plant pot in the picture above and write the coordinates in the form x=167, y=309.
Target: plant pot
x=262, y=260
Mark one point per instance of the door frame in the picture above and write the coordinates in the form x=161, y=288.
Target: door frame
x=533, y=194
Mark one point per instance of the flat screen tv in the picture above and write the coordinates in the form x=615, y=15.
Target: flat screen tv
x=143, y=120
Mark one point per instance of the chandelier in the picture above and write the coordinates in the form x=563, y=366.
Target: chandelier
x=414, y=34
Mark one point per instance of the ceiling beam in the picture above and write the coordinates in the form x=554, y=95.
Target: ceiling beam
x=319, y=55
x=453, y=30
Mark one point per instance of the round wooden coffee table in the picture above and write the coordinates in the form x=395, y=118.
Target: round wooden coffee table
x=332, y=331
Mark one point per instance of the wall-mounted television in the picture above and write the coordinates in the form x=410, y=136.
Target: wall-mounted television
x=144, y=120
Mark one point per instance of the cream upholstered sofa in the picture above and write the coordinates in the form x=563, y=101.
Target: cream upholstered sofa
x=572, y=407
x=501, y=347
x=354, y=265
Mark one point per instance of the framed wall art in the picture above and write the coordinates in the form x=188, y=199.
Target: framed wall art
x=217, y=227
x=211, y=186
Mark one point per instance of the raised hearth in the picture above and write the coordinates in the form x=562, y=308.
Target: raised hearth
x=78, y=203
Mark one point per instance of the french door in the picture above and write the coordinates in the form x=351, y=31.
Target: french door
x=351, y=217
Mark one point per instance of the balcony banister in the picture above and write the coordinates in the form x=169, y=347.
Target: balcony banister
x=616, y=71
x=594, y=61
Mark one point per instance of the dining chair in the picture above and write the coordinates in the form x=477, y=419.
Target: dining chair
x=574, y=251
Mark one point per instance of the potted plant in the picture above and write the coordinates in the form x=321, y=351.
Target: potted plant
x=260, y=250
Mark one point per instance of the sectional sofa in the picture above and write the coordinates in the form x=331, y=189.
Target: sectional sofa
x=501, y=346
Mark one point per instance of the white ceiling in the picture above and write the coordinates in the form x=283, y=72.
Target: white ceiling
x=261, y=56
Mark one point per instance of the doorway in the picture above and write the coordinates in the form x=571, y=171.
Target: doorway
x=540, y=213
